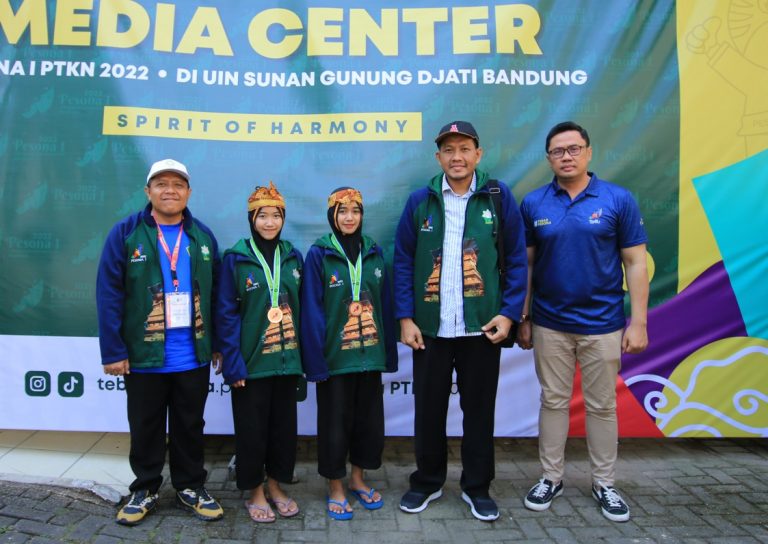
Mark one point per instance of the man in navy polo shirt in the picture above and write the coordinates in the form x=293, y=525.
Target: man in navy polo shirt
x=579, y=231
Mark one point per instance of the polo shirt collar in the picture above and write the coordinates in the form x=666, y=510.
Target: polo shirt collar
x=593, y=187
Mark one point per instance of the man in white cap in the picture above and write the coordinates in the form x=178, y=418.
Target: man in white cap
x=154, y=293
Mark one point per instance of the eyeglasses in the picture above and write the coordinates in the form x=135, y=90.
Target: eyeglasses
x=559, y=152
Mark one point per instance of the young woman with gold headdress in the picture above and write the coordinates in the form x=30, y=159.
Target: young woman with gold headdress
x=348, y=340
x=258, y=324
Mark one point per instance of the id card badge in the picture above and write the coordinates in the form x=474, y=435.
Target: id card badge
x=178, y=310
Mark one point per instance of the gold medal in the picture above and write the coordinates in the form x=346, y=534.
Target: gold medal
x=275, y=315
x=355, y=309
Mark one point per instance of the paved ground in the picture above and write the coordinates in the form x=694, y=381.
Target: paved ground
x=679, y=491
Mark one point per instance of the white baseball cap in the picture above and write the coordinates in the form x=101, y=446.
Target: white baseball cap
x=168, y=165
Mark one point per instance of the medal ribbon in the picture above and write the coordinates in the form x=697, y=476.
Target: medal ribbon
x=273, y=277
x=174, y=259
x=355, y=271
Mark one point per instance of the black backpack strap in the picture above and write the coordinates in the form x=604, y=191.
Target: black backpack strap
x=495, y=191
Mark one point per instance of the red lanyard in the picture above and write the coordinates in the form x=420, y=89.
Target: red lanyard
x=172, y=258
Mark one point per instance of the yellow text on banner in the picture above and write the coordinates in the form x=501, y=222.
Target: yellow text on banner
x=246, y=127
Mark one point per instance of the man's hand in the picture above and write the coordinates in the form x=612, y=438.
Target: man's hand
x=525, y=335
x=410, y=334
x=216, y=361
x=238, y=384
x=120, y=368
x=635, y=339
x=497, y=329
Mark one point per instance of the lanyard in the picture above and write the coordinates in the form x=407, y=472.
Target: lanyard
x=174, y=259
x=355, y=271
x=273, y=277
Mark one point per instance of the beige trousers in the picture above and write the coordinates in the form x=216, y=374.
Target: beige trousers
x=555, y=354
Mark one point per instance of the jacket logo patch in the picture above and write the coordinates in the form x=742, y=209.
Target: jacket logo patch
x=594, y=219
x=426, y=225
x=488, y=217
x=251, y=283
x=542, y=222
x=138, y=255
x=205, y=252
x=377, y=273
x=335, y=280
x=296, y=274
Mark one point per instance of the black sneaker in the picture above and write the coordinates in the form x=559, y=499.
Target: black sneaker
x=414, y=501
x=136, y=509
x=613, y=506
x=201, y=503
x=483, y=508
x=541, y=495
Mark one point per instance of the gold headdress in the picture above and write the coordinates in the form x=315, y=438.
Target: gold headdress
x=265, y=196
x=345, y=196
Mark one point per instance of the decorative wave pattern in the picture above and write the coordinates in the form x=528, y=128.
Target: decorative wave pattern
x=665, y=408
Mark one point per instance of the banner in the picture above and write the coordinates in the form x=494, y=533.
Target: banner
x=319, y=95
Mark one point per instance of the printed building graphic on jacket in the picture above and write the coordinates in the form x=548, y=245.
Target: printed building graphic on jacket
x=360, y=329
x=280, y=335
x=154, y=326
x=432, y=289
x=473, y=281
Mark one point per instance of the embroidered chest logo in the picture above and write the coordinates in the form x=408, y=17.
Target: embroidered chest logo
x=335, y=280
x=594, y=219
x=250, y=282
x=426, y=225
x=205, y=252
x=377, y=273
x=138, y=255
x=296, y=274
x=542, y=222
x=488, y=217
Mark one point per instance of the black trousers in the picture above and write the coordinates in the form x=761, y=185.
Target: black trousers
x=264, y=412
x=476, y=361
x=350, y=422
x=177, y=398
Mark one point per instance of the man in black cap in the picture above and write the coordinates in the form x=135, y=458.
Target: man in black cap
x=154, y=294
x=455, y=308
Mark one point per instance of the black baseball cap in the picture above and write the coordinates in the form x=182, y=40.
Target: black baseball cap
x=458, y=127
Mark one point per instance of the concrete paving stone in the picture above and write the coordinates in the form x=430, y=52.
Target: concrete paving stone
x=732, y=540
x=90, y=525
x=43, y=540
x=139, y=533
x=587, y=534
x=687, y=516
x=31, y=527
x=13, y=538
x=311, y=536
x=561, y=535
x=531, y=528
x=25, y=512
x=69, y=517
x=104, y=539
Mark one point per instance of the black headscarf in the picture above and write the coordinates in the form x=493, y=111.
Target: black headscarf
x=350, y=243
x=266, y=247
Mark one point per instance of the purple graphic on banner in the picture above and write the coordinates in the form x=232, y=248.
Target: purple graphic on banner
x=700, y=314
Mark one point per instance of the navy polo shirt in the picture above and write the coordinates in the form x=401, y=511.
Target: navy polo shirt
x=577, y=274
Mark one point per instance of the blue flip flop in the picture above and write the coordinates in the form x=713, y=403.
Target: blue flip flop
x=342, y=516
x=372, y=505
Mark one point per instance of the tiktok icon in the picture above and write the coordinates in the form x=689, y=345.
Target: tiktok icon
x=71, y=384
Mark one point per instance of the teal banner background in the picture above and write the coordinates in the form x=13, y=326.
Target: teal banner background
x=63, y=183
